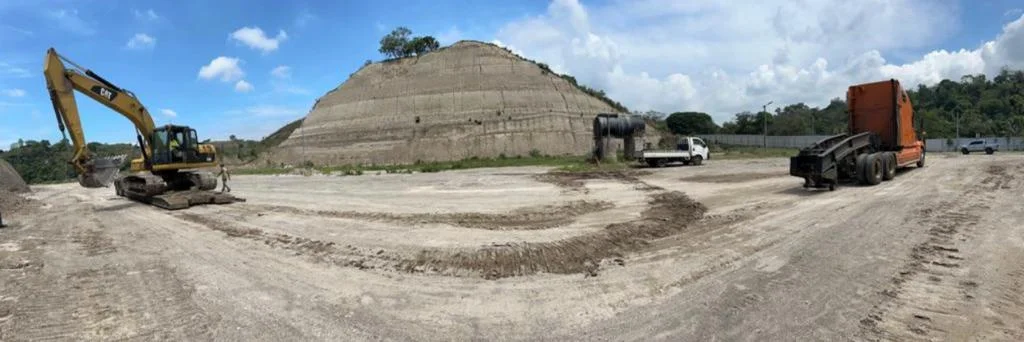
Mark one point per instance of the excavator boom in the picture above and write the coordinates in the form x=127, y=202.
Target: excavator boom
x=61, y=82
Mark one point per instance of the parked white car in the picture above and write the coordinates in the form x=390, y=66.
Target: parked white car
x=689, y=151
x=979, y=146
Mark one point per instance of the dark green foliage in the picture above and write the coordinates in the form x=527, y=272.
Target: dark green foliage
x=421, y=45
x=986, y=107
x=400, y=44
x=42, y=162
x=393, y=44
x=691, y=123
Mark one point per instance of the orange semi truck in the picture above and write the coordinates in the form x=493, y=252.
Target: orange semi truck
x=882, y=138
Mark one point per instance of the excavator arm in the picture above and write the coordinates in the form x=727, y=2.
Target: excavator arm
x=61, y=82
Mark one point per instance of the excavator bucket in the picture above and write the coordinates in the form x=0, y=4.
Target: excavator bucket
x=102, y=172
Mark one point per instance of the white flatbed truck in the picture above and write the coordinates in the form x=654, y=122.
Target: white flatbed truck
x=689, y=151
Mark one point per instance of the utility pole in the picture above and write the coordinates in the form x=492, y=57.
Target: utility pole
x=764, y=119
x=958, y=115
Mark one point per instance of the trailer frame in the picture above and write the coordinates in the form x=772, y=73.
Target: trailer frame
x=826, y=162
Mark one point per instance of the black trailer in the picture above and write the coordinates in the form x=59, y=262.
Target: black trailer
x=841, y=157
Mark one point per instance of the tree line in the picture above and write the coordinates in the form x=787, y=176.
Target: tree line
x=983, y=107
x=44, y=162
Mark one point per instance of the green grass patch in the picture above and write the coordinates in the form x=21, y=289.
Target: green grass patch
x=723, y=152
x=262, y=171
x=585, y=166
x=536, y=159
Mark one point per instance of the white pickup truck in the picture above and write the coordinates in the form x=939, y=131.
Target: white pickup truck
x=978, y=146
x=689, y=150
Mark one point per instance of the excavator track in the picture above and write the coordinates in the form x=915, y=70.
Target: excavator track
x=173, y=191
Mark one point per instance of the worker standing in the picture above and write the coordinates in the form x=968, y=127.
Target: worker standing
x=225, y=176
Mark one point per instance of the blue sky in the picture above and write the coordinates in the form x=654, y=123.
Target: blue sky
x=248, y=67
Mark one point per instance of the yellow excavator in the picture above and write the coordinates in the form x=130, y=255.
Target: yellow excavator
x=167, y=175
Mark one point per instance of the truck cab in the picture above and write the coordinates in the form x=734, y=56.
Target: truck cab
x=689, y=151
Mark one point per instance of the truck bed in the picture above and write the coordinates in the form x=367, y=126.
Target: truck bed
x=666, y=154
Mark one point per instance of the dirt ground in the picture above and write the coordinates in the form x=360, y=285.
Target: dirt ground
x=731, y=250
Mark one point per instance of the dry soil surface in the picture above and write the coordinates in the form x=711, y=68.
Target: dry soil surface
x=732, y=250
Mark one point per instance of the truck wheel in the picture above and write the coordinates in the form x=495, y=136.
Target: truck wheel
x=652, y=163
x=875, y=167
x=920, y=162
x=661, y=162
x=989, y=150
x=890, y=166
x=965, y=151
x=861, y=168
x=697, y=160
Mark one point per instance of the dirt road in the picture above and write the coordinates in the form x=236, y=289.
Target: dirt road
x=732, y=250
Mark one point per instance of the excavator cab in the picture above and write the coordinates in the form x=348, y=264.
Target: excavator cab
x=178, y=146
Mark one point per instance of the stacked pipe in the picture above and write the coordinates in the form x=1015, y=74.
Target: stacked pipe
x=609, y=126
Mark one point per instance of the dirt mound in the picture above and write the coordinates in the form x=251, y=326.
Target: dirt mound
x=530, y=218
x=10, y=180
x=12, y=202
x=670, y=213
x=573, y=180
x=733, y=178
x=469, y=99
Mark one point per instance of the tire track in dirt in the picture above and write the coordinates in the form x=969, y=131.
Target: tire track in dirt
x=91, y=298
x=933, y=287
x=669, y=213
x=94, y=241
x=733, y=177
x=574, y=181
x=531, y=218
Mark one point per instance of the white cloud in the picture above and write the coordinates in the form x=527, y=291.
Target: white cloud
x=304, y=18
x=282, y=71
x=226, y=69
x=149, y=15
x=17, y=30
x=449, y=36
x=1013, y=12
x=14, y=92
x=243, y=87
x=141, y=41
x=256, y=39
x=724, y=57
x=169, y=113
x=288, y=88
x=70, y=21
x=7, y=70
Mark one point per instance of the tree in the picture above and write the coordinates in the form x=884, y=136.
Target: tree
x=394, y=43
x=400, y=43
x=421, y=45
x=745, y=123
x=690, y=123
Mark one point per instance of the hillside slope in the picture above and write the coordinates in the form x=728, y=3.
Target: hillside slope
x=469, y=99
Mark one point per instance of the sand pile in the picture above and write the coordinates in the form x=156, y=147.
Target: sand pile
x=10, y=180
